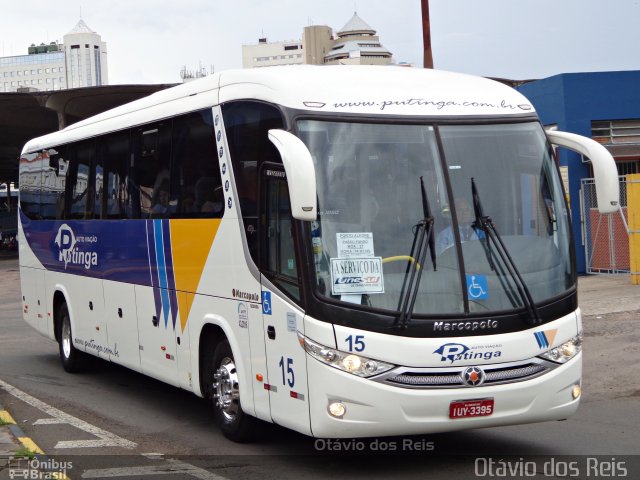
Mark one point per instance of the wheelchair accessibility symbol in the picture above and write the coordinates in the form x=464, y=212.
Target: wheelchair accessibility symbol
x=266, y=303
x=477, y=288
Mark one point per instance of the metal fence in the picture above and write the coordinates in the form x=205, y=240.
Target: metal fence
x=605, y=236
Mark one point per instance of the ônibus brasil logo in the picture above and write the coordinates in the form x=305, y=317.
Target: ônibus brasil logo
x=68, y=252
x=454, y=352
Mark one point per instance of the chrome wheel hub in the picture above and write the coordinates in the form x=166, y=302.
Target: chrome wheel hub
x=66, y=339
x=226, y=394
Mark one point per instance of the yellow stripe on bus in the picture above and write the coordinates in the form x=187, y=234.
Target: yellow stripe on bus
x=191, y=242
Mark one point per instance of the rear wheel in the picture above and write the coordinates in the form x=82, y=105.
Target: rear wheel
x=71, y=358
x=225, y=389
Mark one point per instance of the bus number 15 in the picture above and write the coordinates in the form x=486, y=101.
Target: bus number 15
x=356, y=343
x=289, y=377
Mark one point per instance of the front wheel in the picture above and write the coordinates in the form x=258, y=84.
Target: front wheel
x=233, y=422
x=71, y=357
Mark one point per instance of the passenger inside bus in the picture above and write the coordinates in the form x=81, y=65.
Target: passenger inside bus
x=160, y=205
x=208, y=196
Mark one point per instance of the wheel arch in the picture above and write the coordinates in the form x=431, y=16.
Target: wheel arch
x=215, y=329
x=210, y=335
x=59, y=297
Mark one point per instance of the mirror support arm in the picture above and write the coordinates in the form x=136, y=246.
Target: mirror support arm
x=604, y=167
x=301, y=174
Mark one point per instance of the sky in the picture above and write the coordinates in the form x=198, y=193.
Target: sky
x=149, y=41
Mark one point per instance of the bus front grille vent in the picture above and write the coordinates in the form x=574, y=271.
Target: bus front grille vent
x=453, y=377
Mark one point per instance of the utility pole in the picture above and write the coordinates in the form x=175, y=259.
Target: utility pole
x=426, y=35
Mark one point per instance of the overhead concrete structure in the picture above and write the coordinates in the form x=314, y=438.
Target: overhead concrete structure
x=27, y=115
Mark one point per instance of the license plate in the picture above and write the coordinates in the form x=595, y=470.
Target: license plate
x=471, y=408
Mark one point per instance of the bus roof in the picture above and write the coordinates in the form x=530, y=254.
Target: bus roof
x=343, y=89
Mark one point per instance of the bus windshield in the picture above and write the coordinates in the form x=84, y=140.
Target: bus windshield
x=369, y=183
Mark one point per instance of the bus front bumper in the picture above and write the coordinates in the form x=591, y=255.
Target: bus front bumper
x=377, y=409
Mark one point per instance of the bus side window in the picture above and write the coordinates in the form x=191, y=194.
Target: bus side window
x=150, y=181
x=116, y=157
x=98, y=192
x=195, y=172
x=30, y=181
x=53, y=181
x=247, y=125
x=78, y=184
x=278, y=255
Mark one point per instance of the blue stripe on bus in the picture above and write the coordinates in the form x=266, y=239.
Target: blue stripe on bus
x=120, y=248
x=541, y=339
x=153, y=267
x=162, y=271
x=131, y=251
x=166, y=231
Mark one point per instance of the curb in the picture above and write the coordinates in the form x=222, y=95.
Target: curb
x=18, y=433
x=20, y=461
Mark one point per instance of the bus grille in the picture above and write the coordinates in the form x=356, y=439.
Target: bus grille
x=452, y=377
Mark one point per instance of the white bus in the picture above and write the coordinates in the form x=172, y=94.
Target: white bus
x=343, y=251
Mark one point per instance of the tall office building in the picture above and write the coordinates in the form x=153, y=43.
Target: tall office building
x=86, y=57
x=355, y=44
x=80, y=61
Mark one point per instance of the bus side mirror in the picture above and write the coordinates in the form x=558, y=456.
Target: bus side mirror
x=301, y=174
x=604, y=167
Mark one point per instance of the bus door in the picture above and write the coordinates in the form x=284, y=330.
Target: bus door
x=282, y=319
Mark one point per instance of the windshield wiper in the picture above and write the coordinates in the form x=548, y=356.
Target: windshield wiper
x=485, y=223
x=423, y=240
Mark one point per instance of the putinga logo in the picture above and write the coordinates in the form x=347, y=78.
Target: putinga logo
x=68, y=252
x=454, y=352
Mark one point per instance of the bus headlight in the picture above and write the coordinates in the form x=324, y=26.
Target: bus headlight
x=347, y=362
x=565, y=352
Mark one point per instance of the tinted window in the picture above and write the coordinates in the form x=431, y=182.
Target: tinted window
x=247, y=125
x=54, y=172
x=195, y=176
x=78, y=199
x=116, y=202
x=150, y=183
x=30, y=177
x=278, y=257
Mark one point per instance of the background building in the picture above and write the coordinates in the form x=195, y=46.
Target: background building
x=354, y=44
x=86, y=57
x=267, y=54
x=357, y=44
x=80, y=61
x=606, y=107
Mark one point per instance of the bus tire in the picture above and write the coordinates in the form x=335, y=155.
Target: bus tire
x=223, y=377
x=71, y=357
